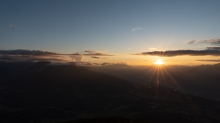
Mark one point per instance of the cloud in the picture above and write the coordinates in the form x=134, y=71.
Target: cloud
x=95, y=57
x=192, y=41
x=153, y=48
x=85, y=64
x=26, y=52
x=209, y=41
x=76, y=56
x=90, y=64
x=212, y=41
x=21, y=55
x=38, y=55
x=136, y=28
x=213, y=48
x=12, y=26
x=106, y=63
x=210, y=60
x=209, y=51
x=21, y=58
x=118, y=65
x=96, y=53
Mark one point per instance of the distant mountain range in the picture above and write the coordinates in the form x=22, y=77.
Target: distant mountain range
x=41, y=92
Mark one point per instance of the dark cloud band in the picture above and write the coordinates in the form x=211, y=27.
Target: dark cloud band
x=26, y=52
x=210, y=60
x=209, y=41
x=21, y=55
x=209, y=51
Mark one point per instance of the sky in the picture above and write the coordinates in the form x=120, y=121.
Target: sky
x=116, y=31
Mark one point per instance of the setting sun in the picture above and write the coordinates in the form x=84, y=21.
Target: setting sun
x=159, y=62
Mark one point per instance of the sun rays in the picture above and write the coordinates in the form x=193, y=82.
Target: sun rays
x=163, y=75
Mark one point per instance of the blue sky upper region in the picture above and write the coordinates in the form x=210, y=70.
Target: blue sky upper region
x=113, y=27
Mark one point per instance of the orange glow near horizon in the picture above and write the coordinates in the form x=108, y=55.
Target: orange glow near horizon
x=140, y=60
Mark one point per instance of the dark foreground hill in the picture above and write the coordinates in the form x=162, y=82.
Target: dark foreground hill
x=40, y=92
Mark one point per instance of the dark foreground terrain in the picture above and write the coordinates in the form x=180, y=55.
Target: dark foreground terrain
x=40, y=92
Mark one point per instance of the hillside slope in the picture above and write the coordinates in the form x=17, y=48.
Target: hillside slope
x=40, y=92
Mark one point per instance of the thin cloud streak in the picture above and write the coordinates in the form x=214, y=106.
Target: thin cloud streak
x=20, y=58
x=95, y=57
x=21, y=55
x=213, y=48
x=136, y=28
x=209, y=60
x=26, y=52
x=192, y=41
x=209, y=41
x=96, y=53
x=214, y=51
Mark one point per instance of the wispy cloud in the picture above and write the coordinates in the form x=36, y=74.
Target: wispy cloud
x=212, y=41
x=96, y=53
x=119, y=64
x=76, y=56
x=209, y=41
x=106, y=63
x=209, y=51
x=192, y=42
x=12, y=26
x=29, y=56
x=10, y=58
x=27, y=52
x=210, y=60
x=95, y=57
x=213, y=48
x=153, y=48
x=136, y=28
x=21, y=55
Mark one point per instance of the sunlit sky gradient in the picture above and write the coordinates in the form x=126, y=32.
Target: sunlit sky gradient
x=116, y=27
